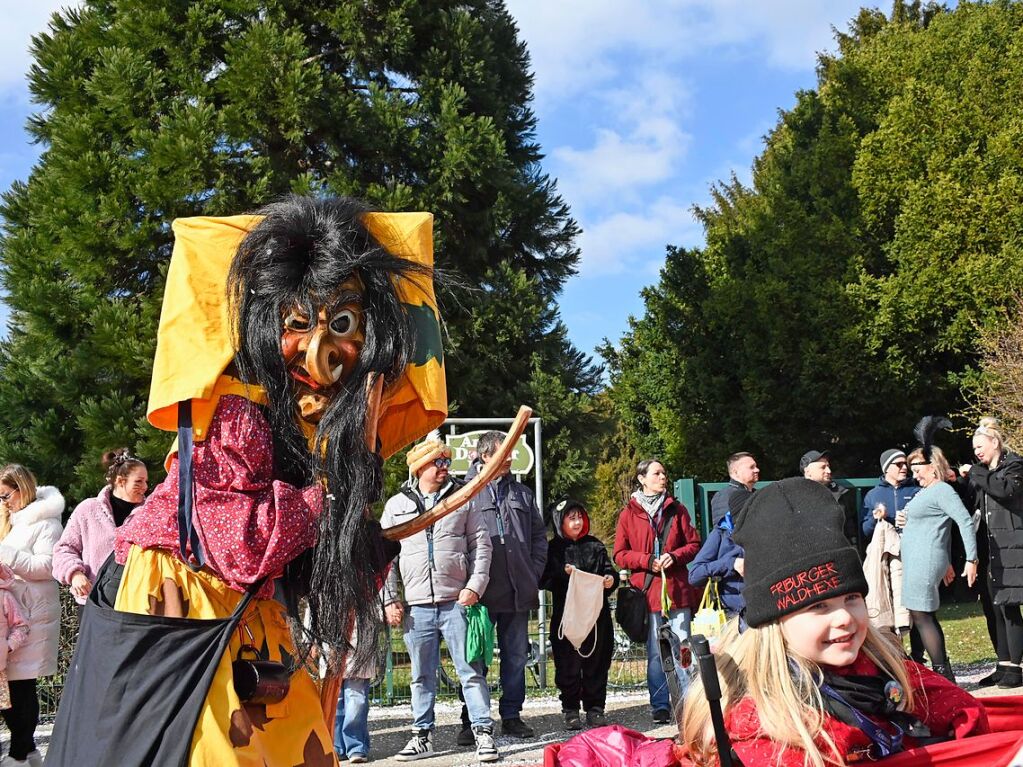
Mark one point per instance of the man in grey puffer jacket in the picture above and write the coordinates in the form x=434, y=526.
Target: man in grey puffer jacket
x=444, y=569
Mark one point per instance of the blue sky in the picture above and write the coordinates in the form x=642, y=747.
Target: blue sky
x=641, y=107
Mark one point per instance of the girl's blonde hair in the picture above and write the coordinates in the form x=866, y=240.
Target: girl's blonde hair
x=938, y=461
x=756, y=664
x=16, y=475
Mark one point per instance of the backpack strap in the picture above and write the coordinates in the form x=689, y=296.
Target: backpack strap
x=188, y=533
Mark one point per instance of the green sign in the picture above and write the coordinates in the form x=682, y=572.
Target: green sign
x=463, y=451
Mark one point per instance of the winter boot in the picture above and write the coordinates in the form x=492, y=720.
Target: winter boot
x=994, y=677
x=945, y=669
x=1012, y=677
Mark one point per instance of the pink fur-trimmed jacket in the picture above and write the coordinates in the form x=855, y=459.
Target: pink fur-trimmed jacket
x=87, y=541
x=13, y=626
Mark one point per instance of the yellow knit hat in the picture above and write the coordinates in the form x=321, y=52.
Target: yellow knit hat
x=422, y=454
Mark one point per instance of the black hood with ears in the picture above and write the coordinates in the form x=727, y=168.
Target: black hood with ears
x=559, y=509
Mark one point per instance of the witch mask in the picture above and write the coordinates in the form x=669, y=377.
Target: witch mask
x=320, y=342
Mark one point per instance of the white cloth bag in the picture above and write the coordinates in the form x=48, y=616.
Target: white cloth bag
x=583, y=603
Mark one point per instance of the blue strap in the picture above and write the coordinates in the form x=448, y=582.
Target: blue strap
x=885, y=744
x=188, y=535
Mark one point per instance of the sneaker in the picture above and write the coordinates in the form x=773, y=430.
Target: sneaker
x=486, y=750
x=516, y=728
x=466, y=737
x=572, y=720
x=595, y=717
x=661, y=716
x=358, y=758
x=1012, y=677
x=419, y=746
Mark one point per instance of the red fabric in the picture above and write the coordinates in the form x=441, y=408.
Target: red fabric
x=634, y=546
x=611, y=746
x=250, y=524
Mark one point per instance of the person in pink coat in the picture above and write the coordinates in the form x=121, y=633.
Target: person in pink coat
x=13, y=629
x=88, y=538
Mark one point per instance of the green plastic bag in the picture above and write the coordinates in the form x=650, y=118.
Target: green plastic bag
x=479, y=637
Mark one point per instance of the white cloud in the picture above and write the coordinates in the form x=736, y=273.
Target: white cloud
x=624, y=241
x=22, y=20
x=617, y=166
x=572, y=42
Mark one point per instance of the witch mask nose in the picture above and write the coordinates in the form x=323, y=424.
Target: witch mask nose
x=323, y=358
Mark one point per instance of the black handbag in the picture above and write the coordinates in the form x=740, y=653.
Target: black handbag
x=631, y=608
x=137, y=683
x=632, y=611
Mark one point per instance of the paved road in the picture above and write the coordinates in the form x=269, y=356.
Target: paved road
x=390, y=727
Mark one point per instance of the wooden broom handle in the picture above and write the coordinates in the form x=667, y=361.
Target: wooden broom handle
x=465, y=493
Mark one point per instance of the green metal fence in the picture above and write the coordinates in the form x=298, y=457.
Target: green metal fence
x=696, y=496
x=392, y=683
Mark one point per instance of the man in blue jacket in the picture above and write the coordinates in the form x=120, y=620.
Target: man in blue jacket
x=894, y=490
x=717, y=559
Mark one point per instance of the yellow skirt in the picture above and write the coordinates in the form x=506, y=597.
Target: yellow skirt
x=291, y=733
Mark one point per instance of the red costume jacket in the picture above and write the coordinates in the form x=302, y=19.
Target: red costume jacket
x=634, y=546
x=250, y=524
x=945, y=708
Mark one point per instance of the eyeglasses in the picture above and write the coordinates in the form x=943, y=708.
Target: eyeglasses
x=899, y=464
x=920, y=463
x=6, y=497
x=442, y=463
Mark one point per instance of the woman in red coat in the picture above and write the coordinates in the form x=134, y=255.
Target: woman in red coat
x=655, y=540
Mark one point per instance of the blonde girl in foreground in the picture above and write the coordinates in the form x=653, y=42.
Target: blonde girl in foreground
x=810, y=682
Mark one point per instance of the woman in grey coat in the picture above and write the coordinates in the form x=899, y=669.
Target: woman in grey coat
x=929, y=517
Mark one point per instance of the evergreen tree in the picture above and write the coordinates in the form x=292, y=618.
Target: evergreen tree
x=840, y=297
x=156, y=109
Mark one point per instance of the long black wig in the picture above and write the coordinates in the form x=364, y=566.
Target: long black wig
x=301, y=253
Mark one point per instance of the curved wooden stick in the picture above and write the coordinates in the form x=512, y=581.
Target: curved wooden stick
x=465, y=494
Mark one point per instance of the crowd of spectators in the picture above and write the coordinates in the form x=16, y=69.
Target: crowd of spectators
x=494, y=553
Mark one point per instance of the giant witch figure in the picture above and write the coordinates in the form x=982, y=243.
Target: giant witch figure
x=305, y=342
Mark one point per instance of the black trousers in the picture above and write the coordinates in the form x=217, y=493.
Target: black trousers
x=584, y=679
x=986, y=588
x=1009, y=631
x=22, y=717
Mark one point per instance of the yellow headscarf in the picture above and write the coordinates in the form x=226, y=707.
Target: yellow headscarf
x=194, y=343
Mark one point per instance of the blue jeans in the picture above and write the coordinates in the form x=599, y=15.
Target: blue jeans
x=351, y=725
x=656, y=682
x=424, y=626
x=513, y=642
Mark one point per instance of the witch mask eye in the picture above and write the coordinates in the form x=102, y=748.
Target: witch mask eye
x=344, y=323
x=297, y=320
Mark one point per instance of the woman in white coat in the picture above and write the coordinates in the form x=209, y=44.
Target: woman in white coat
x=33, y=516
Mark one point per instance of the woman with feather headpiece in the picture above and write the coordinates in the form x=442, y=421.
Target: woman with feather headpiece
x=929, y=518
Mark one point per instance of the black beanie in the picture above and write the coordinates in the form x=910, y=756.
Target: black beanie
x=796, y=552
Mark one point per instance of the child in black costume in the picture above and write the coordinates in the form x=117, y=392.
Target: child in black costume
x=581, y=677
